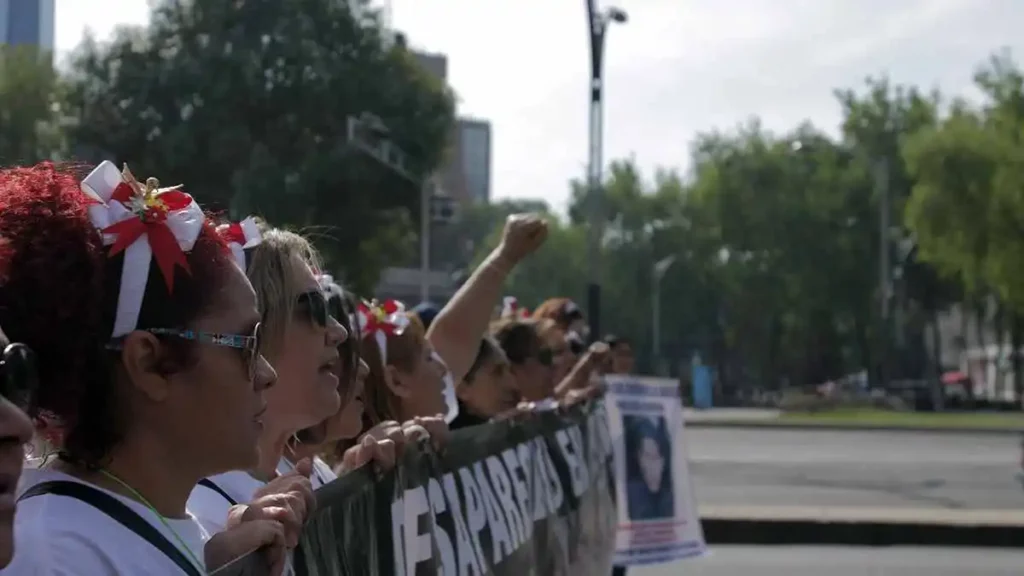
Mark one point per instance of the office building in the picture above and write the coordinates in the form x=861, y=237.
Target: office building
x=27, y=22
x=473, y=148
x=435, y=64
x=467, y=176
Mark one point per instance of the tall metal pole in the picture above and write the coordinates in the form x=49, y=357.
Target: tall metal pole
x=597, y=25
x=657, y=275
x=425, y=195
x=882, y=186
x=656, y=321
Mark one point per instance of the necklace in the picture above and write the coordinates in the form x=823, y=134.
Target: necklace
x=159, y=516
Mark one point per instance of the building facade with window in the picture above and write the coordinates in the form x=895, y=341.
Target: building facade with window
x=27, y=22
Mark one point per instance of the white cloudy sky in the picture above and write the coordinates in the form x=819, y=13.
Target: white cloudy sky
x=677, y=68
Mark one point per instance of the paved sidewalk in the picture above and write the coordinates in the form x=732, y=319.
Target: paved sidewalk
x=773, y=418
x=842, y=561
x=1013, y=518
x=730, y=415
x=779, y=525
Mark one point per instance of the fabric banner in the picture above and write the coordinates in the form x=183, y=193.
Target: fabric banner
x=523, y=498
x=657, y=515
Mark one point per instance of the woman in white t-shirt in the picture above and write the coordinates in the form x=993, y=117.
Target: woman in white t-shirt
x=17, y=378
x=149, y=366
x=301, y=340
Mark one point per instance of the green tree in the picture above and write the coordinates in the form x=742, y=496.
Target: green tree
x=966, y=206
x=248, y=104
x=780, y=251
x=30, y=128
x=878, y=120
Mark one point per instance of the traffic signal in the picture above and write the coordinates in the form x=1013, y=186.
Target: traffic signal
x=443, y=209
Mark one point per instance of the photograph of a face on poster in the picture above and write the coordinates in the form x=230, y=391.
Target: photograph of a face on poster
x=649, y=486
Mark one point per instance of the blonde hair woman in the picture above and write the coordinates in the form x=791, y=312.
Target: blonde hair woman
x=300, y=339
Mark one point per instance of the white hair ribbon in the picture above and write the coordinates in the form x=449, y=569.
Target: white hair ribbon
x=325, y=281
x=146, y=222
x=241, y=236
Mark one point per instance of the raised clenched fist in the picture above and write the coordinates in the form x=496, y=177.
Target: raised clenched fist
x=523, y=234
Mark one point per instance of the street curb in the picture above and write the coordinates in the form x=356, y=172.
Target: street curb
x=850, y=533
x=849, y=427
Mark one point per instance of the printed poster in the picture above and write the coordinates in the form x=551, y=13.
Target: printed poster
x=657, y=512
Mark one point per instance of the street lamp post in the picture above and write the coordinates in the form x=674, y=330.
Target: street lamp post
x=658, y=273
x=597, y=21
x=367, y=133
x=881, y=173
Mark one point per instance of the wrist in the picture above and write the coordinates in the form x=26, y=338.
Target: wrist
x=505, y=255
x=238, y=514
x=500, y=261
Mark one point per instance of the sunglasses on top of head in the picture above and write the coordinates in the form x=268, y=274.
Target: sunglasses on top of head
x=18, y=376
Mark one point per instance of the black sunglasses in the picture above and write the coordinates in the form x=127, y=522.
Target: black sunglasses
x=18, y=377
x=546, y=356
x=313, y=306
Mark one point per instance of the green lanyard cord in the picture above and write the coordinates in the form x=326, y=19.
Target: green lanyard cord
x=159, y=516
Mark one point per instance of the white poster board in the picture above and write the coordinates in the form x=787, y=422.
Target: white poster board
x=657, y=512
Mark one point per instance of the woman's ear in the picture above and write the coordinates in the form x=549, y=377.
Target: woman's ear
x=141, y=357
x=395, y=381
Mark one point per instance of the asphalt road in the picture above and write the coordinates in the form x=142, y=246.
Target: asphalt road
x=765, y=467
x=830, y=561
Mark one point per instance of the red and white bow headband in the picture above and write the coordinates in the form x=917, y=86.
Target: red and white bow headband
x=381, y=321
x=146, y=222
x=241, y=236
x=510, y=308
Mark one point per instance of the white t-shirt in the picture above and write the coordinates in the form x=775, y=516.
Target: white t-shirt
x=211, y=508
x=62, y=536
x=321, y=474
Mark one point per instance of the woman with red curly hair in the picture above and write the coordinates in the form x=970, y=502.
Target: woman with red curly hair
x=149, y=365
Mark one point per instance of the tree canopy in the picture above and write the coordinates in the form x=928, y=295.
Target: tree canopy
x=780, y=271
x=248, y=104
x=776, y=239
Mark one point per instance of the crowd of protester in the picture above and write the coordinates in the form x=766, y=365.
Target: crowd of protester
x=176, y=386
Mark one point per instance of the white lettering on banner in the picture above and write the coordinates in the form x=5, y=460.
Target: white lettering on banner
x=577, y=472
x=444, y=543
x=519, y=486
x=501, y=541
x=417, y=543
x=410, y=545
x=503, y=490
x=541, y=492
x=503, y=494
x=475, y=514
x=471, y=558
